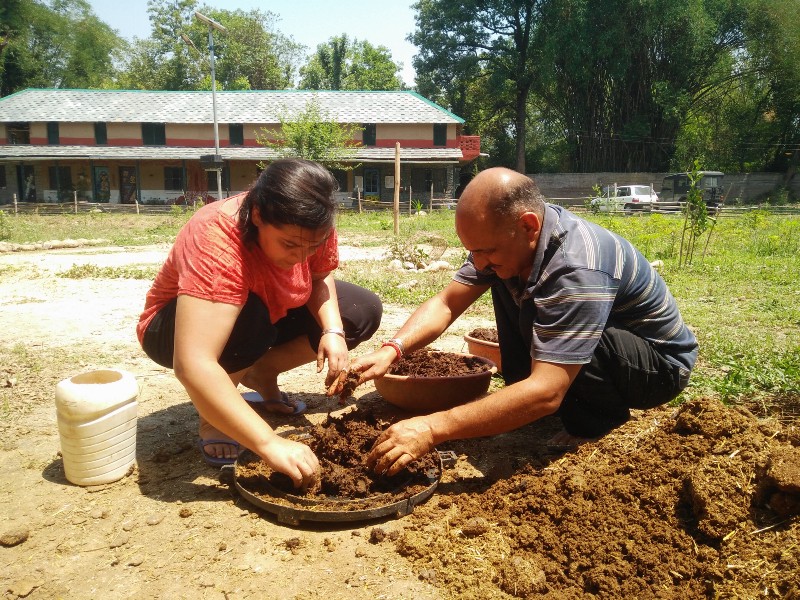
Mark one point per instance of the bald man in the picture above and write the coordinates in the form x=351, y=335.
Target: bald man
x=587, y=328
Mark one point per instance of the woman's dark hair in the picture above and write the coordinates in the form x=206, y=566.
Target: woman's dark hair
x=290, y=191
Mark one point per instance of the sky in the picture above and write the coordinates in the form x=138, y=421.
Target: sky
x=309, y=22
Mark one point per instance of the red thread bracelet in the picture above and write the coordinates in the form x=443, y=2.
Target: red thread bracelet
x=396, y=347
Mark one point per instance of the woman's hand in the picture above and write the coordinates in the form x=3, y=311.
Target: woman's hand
x=291, y=458
x=333, y=348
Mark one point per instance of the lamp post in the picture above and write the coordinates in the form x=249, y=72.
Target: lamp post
x=212, y=25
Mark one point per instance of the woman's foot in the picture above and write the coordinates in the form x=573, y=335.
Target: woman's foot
x=268, y=396
x=216, y=447
x=283, y=405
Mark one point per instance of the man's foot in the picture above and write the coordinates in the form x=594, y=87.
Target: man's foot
x=216, y=447
x=281, y=406
x=564, y=441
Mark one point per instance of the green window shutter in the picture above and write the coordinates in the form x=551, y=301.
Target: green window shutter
x=52, y=133
x=370, y=134
x=439, y=134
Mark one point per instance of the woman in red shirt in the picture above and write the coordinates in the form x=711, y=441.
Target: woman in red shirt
x=246, y=293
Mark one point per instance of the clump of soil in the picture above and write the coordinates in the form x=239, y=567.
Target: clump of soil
x=350, y=385
x=425, y=363
x=486, y=334
x=342, y=445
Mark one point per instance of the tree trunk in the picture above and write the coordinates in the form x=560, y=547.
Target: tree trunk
x=519, y=122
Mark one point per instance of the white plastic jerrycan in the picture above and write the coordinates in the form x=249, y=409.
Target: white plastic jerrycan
x=97, y=425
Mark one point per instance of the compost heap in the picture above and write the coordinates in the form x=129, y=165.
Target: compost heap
x=702, y=503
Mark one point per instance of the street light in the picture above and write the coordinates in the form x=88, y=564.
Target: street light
x=217, y=161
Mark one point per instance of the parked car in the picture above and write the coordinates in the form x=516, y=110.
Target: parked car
x=625, y=198
x=675, y=188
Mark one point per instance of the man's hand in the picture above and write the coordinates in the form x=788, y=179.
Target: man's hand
x=374, y=365
x=401, y=443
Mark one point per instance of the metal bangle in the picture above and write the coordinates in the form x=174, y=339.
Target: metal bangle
x=400, y=345
x=336, y=330
x=395, y=347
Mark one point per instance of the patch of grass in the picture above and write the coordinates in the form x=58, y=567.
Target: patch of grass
x=119, y=229
x=742, y=300
x=371, y=228
x=741, y=295
x=407, y=289
x=5, y=229
x=95, y=272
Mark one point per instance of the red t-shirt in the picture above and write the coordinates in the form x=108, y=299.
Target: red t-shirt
x=209, y=261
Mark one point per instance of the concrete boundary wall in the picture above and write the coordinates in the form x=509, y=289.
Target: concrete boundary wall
x=573, y=188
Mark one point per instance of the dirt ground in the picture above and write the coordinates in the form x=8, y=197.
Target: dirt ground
x=695, y=502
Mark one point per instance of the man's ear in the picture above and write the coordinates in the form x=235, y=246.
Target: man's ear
x=531, y=224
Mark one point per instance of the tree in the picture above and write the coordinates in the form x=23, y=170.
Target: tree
x=253, y=50
x=312, y=134
x=608, y=85
x=250, y=55
x=774, y=45
x=60, y=44
x=750, y=120
x=493, y=38
x=621, y=87
x=344, y=64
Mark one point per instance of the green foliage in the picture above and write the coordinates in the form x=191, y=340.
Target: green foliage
x=407, y=252
x=748, y=120
x=314, y=135
x=345, y=64
x=252, y=54
x=489, y=44
x=609, y=85
x=88, y=271
x=696, y=218
x=54, y=45
x=418, y=249
x=597, y=192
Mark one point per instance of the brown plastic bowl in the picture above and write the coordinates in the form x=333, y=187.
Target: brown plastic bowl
x=485, y=349
x=424, y=395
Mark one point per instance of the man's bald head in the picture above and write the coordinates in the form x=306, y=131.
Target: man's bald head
x=498, y=194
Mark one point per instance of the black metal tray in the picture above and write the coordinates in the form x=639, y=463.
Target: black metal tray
x=291, y=509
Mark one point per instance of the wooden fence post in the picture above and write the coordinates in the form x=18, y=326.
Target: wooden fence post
x=75, y=201
x=397, y=188
x=15, y=204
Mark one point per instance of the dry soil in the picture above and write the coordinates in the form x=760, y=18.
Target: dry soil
x=699, y=501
